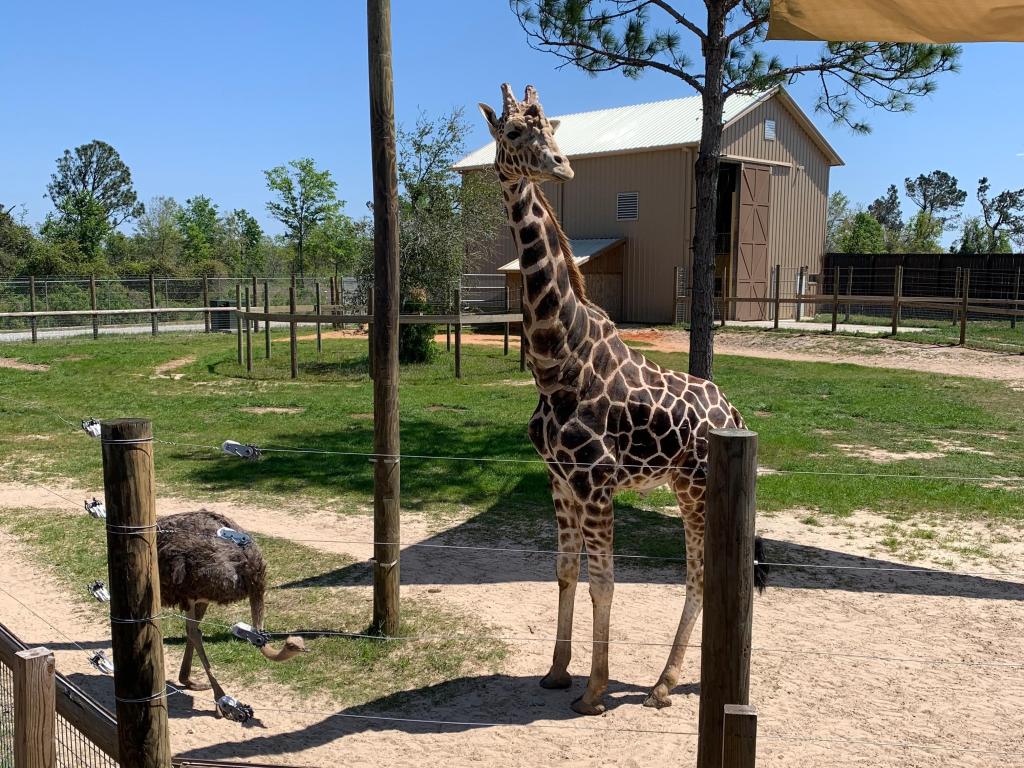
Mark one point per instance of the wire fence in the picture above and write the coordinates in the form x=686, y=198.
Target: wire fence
x=997, y=666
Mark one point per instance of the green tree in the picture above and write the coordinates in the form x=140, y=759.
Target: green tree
x=336, y=244
x=937, y=194
x=82, y=220
x=16, y=242
x=158, y=242
x=837, y=221
x=864, y=235
x=305, y=198
x=976, y=238
x=886, y=209
x=602, y=35
x=203, y=236
x=1003, y=214
x=923, y=234
x=92, y=193
x=243, y=238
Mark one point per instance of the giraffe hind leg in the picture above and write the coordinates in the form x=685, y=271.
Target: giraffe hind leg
x=691, y=504
x=567, y=567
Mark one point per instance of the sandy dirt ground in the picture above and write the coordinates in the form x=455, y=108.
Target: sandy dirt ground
x=820, y=693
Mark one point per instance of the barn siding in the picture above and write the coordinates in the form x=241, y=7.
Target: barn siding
x=799, y=198
x=655, y=243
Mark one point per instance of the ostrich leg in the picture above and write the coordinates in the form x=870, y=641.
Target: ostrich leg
x=195, y=613
x=195, y=637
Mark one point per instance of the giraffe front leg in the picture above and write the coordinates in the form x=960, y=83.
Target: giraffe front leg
x=567, y=568
x=693, y=520
x=597, y=532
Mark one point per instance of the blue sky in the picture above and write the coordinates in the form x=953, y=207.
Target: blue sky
x=199, y=98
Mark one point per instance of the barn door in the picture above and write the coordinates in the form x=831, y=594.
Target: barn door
x=752, y=267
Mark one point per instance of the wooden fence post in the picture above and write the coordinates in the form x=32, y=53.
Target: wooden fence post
x=293, y=338
x=739, y=735
x=522, y=334
x=956, y=294
x=728, y=585
x=206, y=303
x=897, y=294
x=849, y=292
x=1013, y=317
x=35, y=321
x=248, y=332
x=92, y=303
x=835, y=299
x=965, y=289
x=316, y=309
x=799, y=294
x=725, y=294
x=238, y=317
x=458, y=331
x=134, y=583
x=154, y=322
x=255, y=299
x=508, y=308
x=34, y=709
x=778, y=294
x=266, y=311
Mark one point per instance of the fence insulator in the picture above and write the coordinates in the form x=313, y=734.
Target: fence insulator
x=99, y=591
x=102, y=663
x=91, y=427
x=249, y=452
x=234, y=710
x=96, y=509
x=257, y=637
x=241, y=539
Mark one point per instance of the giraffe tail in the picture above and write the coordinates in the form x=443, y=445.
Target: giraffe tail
x=761, y=568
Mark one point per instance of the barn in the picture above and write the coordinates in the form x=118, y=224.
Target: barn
x=629, y=210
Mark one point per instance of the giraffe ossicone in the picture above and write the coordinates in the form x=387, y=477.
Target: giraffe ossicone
x=607, y=418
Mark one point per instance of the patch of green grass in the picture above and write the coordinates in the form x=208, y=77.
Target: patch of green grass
x=310, y=590
x=801, y=410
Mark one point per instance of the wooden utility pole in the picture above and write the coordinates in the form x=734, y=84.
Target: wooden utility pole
x=92, y=303
x=386, y=446
x=34, y=709
x=728, y=584
x=134, y=584
x=35, y=321
x=154, y=322
x=266, y=311
x=739, y=736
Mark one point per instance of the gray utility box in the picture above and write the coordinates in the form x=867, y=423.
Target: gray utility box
x=223, y=321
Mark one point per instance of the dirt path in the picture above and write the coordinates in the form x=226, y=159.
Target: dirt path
x=803, y=695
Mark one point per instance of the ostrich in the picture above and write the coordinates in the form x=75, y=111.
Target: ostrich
x=197, y=567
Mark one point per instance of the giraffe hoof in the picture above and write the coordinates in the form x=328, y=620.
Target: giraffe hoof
x=584, y=707
x=658, y=698
x=192, y=685
x=556, y=682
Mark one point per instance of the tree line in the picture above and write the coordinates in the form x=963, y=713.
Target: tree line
x=938, y=201
x=98, y=225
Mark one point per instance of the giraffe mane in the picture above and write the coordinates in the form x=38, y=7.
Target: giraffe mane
x=576, y=279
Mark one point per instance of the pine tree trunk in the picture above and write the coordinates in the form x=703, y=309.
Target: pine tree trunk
x=702, y=313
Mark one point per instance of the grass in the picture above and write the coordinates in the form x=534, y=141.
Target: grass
x=989, y=335
x=310, y=594
x=802, y=411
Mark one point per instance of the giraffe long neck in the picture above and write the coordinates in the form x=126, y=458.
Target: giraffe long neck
x=555, y=320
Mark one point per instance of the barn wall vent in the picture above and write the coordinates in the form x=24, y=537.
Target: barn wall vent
x=769, y=130
x=627, y=206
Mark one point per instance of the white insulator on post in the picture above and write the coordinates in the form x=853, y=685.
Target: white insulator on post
x=248, y=451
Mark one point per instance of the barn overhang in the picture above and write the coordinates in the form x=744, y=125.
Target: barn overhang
x=584, y=250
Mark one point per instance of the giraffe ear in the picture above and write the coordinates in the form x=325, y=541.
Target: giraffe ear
x=554, y=124
x=490, y=117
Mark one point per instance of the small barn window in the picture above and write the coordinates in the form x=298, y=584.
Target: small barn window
x=627, y=206
x=769, y=130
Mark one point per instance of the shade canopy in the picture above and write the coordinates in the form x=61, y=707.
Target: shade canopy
x=910, y=21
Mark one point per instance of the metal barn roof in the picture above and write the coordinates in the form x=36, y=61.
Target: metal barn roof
x=583, y=250
x=655, y=125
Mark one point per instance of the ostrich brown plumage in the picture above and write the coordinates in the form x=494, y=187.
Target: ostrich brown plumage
x=197, y=568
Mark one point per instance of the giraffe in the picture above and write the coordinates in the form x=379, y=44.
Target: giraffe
x=607, y=418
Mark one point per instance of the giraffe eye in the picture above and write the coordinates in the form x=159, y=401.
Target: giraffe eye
x=512, y=135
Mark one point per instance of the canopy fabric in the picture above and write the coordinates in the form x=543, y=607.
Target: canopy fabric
x=910, y=21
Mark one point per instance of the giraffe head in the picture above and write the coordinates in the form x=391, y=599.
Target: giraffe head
x=525, y=139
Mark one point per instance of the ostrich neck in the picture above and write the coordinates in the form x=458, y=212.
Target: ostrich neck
x=555, y=322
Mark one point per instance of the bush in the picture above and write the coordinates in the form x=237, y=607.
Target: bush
x=416, y=342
